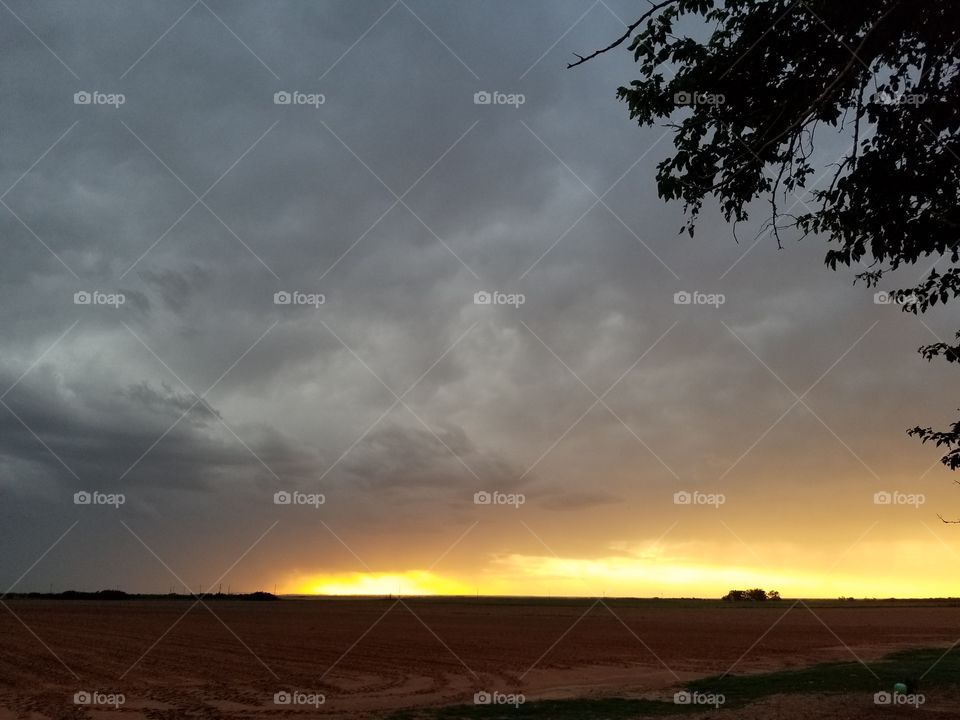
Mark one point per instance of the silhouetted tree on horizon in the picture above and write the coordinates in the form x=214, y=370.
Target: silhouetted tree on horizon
x=756, y=594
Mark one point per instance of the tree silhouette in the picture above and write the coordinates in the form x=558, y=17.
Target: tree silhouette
x=750, y=87
x=756, y=594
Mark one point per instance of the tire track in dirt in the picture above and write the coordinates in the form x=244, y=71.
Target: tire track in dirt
x=200, y=670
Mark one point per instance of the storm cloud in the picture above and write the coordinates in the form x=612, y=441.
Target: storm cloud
x=217, y=210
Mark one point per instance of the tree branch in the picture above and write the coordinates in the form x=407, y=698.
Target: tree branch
x=620, y=40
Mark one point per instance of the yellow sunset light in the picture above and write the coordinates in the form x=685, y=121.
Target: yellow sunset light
x=411, y=582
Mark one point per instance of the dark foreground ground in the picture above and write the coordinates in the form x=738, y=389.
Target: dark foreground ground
x=430, y=658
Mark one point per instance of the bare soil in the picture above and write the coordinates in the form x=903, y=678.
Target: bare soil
x=368, y=658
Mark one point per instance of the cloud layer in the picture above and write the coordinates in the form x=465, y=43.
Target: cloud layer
x=397, y=199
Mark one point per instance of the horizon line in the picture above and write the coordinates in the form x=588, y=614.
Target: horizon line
x=347, y=596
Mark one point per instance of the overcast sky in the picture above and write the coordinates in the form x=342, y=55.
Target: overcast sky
x=398, y=198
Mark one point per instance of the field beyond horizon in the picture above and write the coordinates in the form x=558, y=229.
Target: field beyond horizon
x=430, y=657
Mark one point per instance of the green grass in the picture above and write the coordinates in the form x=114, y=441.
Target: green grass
x=926, y=669
x=923, y=669
x=579, y=709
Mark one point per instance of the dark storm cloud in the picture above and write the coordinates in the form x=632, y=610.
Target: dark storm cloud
x=444, y=459
x=199, y=199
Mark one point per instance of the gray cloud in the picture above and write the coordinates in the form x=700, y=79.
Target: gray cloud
x=507, y=390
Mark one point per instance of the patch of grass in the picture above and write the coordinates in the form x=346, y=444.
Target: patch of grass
x=575, y=709
x=923, y=670
x=919, y=669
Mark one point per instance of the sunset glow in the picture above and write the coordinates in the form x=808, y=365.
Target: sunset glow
x=415, y=582
x=871, y=570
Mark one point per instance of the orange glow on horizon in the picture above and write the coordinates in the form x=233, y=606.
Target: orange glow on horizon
x=411, y=582
x=872, y=570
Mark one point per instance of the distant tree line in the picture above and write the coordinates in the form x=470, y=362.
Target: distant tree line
x=121, y=595
x=756, y=594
